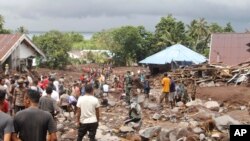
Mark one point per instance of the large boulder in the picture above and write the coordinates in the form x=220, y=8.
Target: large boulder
x=150, y=132
x=152, y=106
x=223, y=122
x=212, y=105
x=194, y=103
x=126, y=129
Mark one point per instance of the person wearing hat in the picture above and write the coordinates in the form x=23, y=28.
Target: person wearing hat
x=18, y=99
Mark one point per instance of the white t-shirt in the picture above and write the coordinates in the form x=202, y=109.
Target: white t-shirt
x=88, y=104
x=105, y=88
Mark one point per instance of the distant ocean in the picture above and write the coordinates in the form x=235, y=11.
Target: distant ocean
x=86, y=35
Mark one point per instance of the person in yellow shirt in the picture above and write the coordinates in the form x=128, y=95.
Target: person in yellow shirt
x=165, y=88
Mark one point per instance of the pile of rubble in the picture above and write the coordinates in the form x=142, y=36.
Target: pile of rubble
x=206, y=75
x=195, y=120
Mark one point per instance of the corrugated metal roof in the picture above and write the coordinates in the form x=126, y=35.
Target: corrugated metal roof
x=229, y=48
x=176, y=52
x=6, y=42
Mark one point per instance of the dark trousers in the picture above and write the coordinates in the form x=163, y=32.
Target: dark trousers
x=87, y=127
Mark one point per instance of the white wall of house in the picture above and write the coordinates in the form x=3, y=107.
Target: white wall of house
x=21, y=52
x=26, y=51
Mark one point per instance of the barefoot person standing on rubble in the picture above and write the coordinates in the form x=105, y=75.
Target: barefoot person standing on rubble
x=165, y=88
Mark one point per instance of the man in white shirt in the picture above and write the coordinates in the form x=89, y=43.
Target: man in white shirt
x=87, y=114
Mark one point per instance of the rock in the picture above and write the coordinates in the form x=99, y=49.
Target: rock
x=223, y=122
x=60, y=127
x=150, y=132
x=197, y=130
x=175, y=109
x=194, y=103
x=183, y=132
x=216, y=135
x=111, y=103
x=172, y=136
x=180, y=104
x=210, y=84
x=134, y=137
x=71, y=135
x=126, y=129
x=194, y=123
x=202, y=137
x=156, y=116
x=183, y=124
x=153, y=106
x=212, y=105
x=243, y=107
x=165, y=134
x=141, y=98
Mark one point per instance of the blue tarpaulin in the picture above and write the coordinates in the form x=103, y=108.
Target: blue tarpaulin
x=174, y=53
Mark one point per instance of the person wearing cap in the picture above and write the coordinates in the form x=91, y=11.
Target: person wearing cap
x=33, y=124
x=18, y=99
x=165, y=88
x=6, y=123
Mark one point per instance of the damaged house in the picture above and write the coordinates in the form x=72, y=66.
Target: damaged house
x=18, y=51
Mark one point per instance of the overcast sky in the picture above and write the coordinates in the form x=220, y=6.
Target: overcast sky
x=95, y=15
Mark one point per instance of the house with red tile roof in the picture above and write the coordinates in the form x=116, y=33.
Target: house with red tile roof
x=229, y=48
x=17, y=50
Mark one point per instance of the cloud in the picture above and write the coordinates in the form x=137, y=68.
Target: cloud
x=100, y=14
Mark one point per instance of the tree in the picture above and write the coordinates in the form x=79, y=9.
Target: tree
x=228, y=28
x=198, y=32
x=169, y=31
x=22, y=30
x=215, y=28
x=55, y=45
x=2, y=30
x=75, y=37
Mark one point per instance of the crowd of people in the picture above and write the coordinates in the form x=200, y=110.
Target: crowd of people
x=29, y=105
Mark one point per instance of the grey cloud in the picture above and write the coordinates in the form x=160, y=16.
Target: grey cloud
x=119, y=12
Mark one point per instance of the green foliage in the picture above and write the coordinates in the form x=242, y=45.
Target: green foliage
x=215, y=28
x=2, y=29
x=169, y=31
x=55, y=45
x=228, y=28
x=74, y=37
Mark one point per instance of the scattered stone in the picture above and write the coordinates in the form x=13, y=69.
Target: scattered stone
x=165, y=134
x=197, y=130
x=150, y=132
x=157, y=116
x=243, y=107
x=60, y=127
x=194, y=123
x=194, y=103
x=224, y=121
x=180, y=104
x=212, y=105
x=175, y=109
x=153, y=106
x=183, y=124
x=126, y=129
x=202, y=137
x=111, y=103
x=141, y=98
